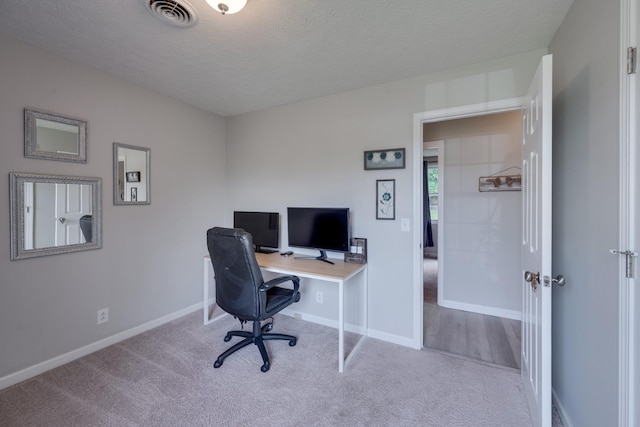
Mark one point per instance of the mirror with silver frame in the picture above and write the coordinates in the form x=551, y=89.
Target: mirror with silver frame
x=131, y=175
x=54, y=137
x=54, y=214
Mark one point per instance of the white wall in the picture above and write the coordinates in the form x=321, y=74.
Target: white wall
x=151, y=262
x=311, y=154
x=585, y=212
x=481, y=246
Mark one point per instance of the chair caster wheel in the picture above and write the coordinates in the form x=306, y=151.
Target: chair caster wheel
x=265, y=367
x=227, y=338
x=292, y=342
x=217, y=364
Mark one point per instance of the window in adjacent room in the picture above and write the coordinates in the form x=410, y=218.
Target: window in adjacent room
x=432, y=179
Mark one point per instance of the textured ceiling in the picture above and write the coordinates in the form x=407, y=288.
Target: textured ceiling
x=276, y=52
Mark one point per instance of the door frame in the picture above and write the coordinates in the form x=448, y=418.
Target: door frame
x=472, y=110
x=628, y=178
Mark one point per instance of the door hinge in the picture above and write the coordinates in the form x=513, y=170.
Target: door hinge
x=629, y=261
x=631, y=60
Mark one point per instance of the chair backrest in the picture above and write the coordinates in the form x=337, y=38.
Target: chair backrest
x=236, y=270
x=86, y=226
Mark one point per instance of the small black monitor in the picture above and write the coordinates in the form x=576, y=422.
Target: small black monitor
x=264, y=228
x=325, y=229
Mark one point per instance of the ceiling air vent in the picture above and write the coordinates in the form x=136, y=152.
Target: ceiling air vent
x=179, y=14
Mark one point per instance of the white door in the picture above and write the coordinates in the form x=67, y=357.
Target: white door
x=536, y=245
x=72, y=202
x=29, y=216
x=630, y=287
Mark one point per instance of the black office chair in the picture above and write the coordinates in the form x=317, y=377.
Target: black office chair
x=86, y=226
x=242, y=292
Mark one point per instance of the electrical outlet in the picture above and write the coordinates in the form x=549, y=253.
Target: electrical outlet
x=319, y=297
x=103, y=315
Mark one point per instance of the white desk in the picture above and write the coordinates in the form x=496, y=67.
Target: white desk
x=339, y=273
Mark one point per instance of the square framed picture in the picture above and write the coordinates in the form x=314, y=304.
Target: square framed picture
x=390, y=158
x=133, y=176
x=386, y=199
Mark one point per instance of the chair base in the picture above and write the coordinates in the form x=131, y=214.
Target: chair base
x=257, y=337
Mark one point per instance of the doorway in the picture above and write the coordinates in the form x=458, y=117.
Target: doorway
x=462, y=320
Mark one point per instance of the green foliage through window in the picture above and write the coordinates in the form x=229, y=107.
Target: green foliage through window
x=432, y=181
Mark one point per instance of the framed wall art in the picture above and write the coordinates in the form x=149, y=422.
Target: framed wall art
x=133, y=176
x=386, y=199
x=391, y=158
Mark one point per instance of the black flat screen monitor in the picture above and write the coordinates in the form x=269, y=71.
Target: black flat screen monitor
x=325, y=229
x=264, y=228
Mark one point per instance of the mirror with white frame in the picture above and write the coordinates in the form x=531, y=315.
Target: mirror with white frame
x=54, y=214
x=54, y=137
x=131, y=175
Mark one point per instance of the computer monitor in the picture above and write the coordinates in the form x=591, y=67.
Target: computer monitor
x=264, y=228
x=325, y=229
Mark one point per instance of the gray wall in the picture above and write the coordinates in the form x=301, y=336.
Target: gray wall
x=585, y=212
x=311, y=154
x=151, y=262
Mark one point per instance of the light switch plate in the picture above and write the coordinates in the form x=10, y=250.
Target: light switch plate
x=405, y=224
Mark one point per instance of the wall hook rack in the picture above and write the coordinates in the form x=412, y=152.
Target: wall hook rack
x=498, y=182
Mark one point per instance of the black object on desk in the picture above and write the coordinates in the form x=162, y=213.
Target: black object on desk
x=357, y=251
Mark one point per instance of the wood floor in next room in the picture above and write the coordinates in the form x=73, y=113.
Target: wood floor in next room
x=488, y=338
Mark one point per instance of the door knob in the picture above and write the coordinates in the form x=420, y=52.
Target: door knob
x=532, y=278
x=559, y=280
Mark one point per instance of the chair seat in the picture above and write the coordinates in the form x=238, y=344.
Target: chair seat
x=277, y=299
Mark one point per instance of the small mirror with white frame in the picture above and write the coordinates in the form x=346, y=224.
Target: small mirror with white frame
x=131, y=175
x=51, y=136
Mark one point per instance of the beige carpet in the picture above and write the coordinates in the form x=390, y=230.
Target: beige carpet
x=164, y=377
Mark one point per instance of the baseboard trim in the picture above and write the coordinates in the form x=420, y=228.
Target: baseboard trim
x=324, y=321
x=481, y=309
x=383, y=336
x=393, y=339
x=562, y=413
x=47, y=365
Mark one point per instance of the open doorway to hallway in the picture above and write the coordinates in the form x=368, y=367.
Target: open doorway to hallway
x=472, y=293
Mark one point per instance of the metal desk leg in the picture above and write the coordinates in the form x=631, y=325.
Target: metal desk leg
x=206, y=291
x=207, y=278
x=341, y=326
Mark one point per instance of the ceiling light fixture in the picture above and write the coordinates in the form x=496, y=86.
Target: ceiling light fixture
x=227, y=7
